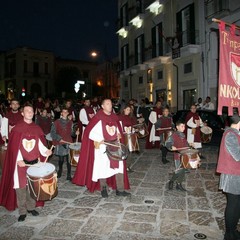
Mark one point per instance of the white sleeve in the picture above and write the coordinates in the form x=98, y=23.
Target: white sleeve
x=191, y=124
x=96, y=132
x=83, y=116
x=42, y=148
x=19, y=156
x=153, y=117
x=4, y=127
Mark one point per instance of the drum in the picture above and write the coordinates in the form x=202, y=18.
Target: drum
x=206, y=134
x=190, y=158
x=49, y=140
x=116, y=150
x=42, y=181
x=166, y=135
x=131, y=141
x=74, y=153
x=141, y=130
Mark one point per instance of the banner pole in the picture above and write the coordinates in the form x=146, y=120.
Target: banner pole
x=228, y=24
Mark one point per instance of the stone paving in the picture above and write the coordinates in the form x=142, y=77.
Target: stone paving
x=152, y=212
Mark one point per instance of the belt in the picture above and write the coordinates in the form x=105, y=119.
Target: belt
x=31, y=162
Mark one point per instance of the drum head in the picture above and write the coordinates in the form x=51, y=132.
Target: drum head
x=75, y=146
x=48, y=137
x=42, y=170
x=189, y=151
x=206, y=130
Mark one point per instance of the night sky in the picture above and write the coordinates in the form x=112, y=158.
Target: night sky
x=69, y=28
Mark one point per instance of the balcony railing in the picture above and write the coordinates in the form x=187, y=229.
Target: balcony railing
x=185, y=38
x=216, y=8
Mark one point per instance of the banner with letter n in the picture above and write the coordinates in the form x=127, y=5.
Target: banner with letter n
x=229, y=68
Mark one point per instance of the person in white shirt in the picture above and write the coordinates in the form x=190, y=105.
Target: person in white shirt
x=208, y=105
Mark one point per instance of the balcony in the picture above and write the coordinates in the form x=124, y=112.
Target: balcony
x=185, y=38
x=216, y=8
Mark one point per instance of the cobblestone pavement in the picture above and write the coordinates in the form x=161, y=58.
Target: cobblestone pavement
x=152, y=212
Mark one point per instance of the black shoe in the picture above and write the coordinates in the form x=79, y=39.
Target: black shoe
x=232, y=236
x=104, y=192
x=59, y=174
x=123, y=194
x=69, y=177
x=180, y=187
x=165, y=161
x=129, y=170
x=170, y=185
x=33, y=212
x=22, y=218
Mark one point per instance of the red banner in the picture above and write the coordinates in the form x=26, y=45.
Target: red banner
x=229, y=69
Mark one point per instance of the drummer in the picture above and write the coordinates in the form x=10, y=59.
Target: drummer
x=164, y=124
x=44, y=121
x=177, y=141
x=62, y=131
x=26, y=146
x=153, y=141
x=193, y=124
x=85, y=115
x=128, y=120
x=95, y=169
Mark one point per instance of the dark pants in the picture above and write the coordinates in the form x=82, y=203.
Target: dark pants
x=60, y=164
x=164, y=152
x=24, y=201
x=119, y=182
x=232, y=212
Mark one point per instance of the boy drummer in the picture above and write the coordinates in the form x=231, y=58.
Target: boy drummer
x=177, y=141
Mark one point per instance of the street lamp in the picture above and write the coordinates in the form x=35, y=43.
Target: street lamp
x=77, y=86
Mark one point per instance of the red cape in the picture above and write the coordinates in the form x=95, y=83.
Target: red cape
x=7, y=192
x=83, y=174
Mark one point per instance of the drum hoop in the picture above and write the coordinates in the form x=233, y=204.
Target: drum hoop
x=74, y=144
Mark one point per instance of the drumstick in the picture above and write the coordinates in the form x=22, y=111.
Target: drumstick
x=77, y=136
x=183, y=148
x=113, y=145
x=48, y=155
x=164, y=128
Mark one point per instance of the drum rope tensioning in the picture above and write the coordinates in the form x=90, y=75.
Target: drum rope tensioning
x=41, y=180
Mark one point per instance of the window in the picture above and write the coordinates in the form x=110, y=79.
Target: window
x=35, y=68
x=25, y=66
x=124, y=15
x=157, y=41
x=187, y=68
x=46, y=68
x=140, y=80
x=186, y=25
x=125, y=57
x=160, y=75
x=139, y=49
x=125, y=83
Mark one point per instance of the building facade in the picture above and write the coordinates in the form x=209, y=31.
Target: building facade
x=169, y=48
x=26, y=70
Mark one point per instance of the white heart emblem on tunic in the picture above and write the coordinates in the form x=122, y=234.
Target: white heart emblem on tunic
x=111, y=130
x=91, y=115
x=28, y=145
x=127, y=129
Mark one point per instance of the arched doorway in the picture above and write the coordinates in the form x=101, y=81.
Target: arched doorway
x=36, y=90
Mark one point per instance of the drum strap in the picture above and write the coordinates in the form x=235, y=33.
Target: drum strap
x=31, y=162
